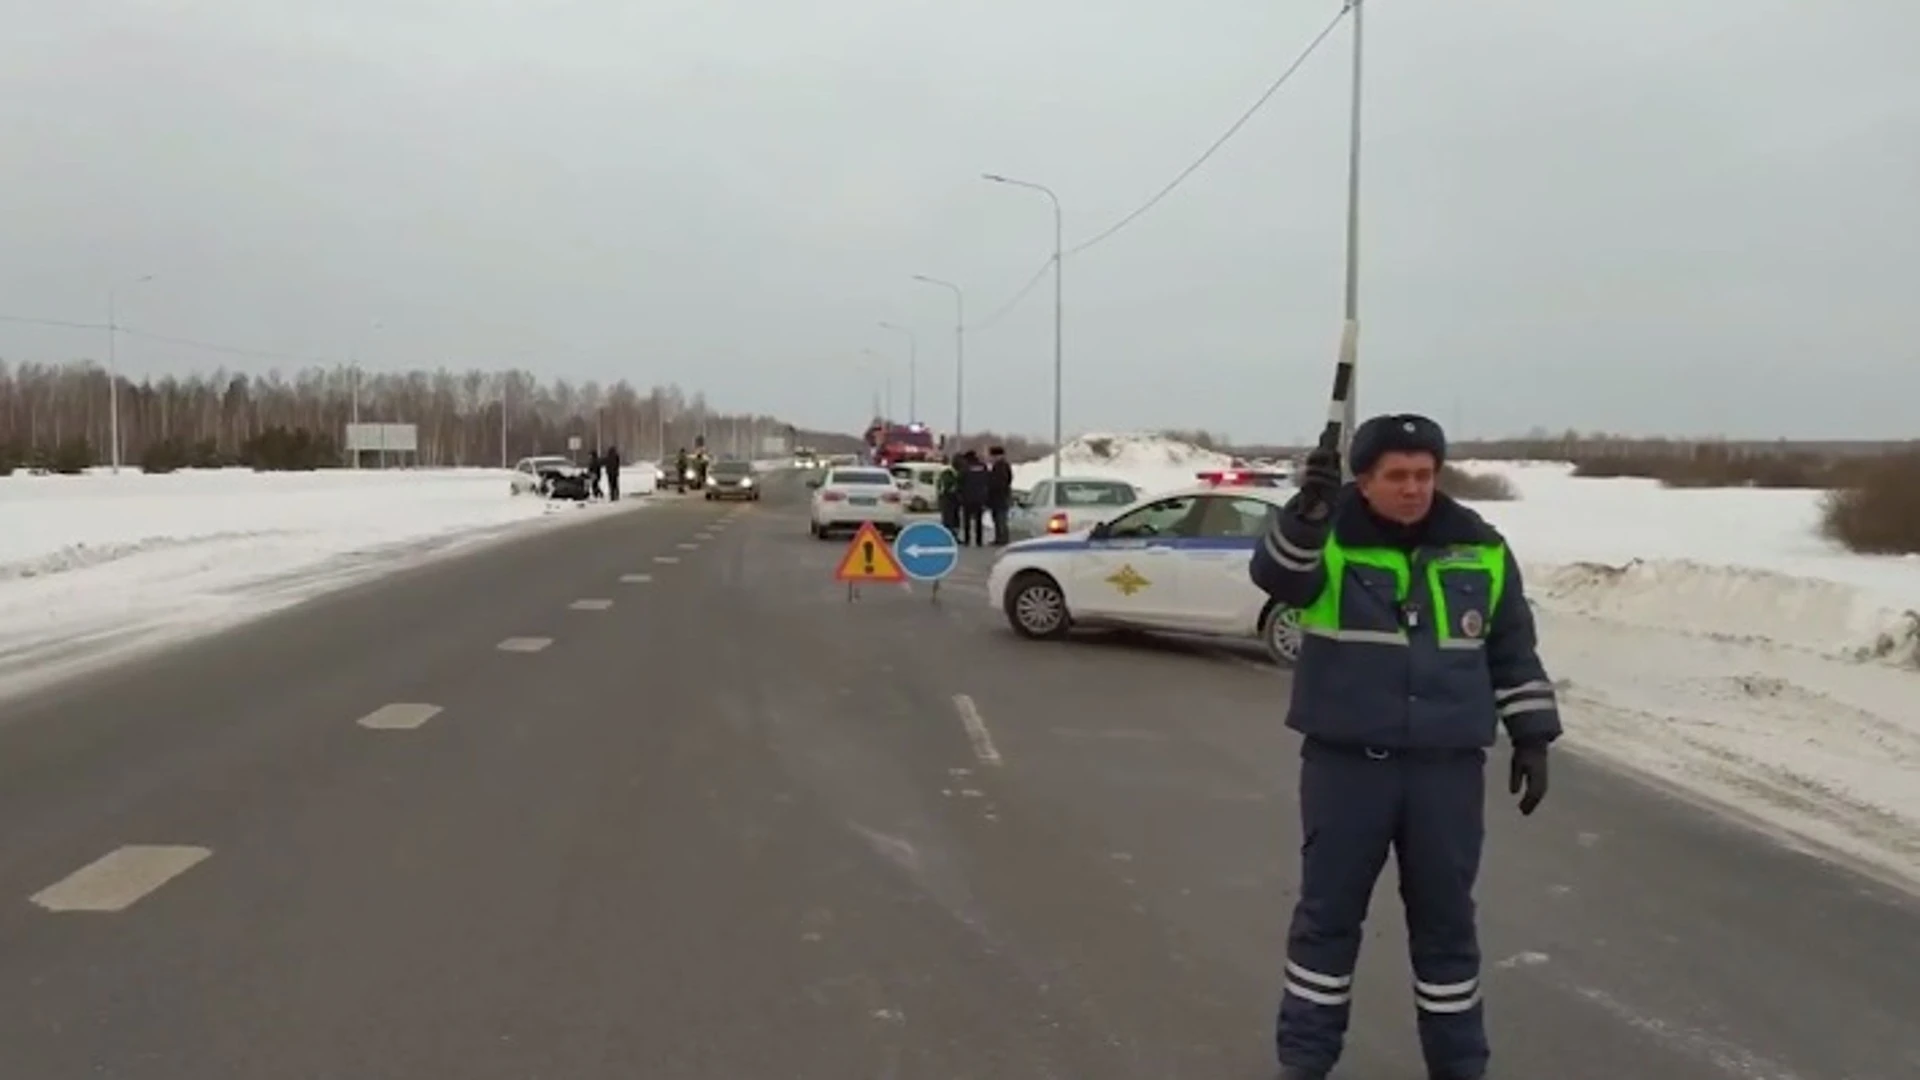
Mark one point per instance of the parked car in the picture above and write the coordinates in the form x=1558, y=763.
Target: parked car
x=1068, y=504
x=542, y=474
x=1174, y=563
x=850, y=496
x=919, y=482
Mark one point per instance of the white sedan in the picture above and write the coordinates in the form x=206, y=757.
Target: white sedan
x=1176, y=562
x=850, y=496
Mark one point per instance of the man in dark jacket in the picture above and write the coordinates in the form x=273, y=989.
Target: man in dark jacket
x=594, y=465
x=611, y=459
x=975, y=485
x=1418, y=645
x=947, y=490
x=999, y=492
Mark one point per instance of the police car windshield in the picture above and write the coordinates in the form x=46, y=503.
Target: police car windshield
x=862, y=476
x=1096, y=493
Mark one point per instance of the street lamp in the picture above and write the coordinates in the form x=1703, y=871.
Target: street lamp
x=1059, y=236
x=959, y=348
x=913, y=369
x=882, y=372
x=113, y=367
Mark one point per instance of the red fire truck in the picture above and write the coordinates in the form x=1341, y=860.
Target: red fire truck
x=890, y=444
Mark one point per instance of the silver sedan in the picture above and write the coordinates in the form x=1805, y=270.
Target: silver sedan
x=1068, y=504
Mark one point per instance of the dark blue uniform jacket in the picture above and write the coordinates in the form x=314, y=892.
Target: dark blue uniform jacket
x=1386, y=674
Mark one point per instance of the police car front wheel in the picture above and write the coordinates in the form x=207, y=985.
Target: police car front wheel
x=1036, y=608
x=1280, y=633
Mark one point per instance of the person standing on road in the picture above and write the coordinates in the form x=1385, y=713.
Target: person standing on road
x=946, y=489
x=594, y=465
x=999, y=492
x=975, y=485
x=612, y=462
x=1418, y=643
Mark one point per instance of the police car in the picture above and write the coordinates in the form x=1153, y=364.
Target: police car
x=1175, y=562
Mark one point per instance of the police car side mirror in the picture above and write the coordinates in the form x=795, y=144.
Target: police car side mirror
x=1100, y=531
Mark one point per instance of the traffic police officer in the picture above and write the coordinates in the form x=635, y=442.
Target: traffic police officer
x=1418, y=638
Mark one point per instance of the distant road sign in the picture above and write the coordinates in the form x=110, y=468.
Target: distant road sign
x=867, y=559
x=926, y=551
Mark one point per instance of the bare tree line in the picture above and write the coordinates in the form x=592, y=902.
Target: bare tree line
x=45, y=407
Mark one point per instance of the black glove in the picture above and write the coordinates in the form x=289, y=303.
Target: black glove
x=1529, y=770
x=1320, y=482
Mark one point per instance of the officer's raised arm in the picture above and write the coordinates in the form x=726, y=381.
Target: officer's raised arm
x=1287, y=563
x=1521, y=687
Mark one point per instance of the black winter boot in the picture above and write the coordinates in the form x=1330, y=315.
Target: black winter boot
x=1300, y=1072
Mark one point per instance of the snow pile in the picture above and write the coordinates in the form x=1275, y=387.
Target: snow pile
x=1737, y=564
x=1149, y=462
x=93, y=565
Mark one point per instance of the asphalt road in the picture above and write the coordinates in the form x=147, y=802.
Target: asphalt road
x=730, y=825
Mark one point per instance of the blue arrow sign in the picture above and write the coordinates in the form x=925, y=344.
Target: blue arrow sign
x=926, y=551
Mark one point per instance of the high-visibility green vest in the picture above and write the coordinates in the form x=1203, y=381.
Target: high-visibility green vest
x=1322, y=618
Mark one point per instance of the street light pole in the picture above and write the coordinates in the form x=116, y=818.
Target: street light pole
x=959, y=350
x=113, y=369
x=886, y=380
x=1059, y=244
x=913, y=370
x=1350, y=331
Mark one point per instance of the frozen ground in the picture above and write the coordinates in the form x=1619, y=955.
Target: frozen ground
x=1710, y=639
x=94, y=567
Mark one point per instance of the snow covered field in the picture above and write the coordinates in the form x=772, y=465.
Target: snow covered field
x=92, y=567
x=1710, y=639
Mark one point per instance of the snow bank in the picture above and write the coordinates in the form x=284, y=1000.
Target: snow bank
x=1150, y=462
x=1738, y=564
x=92, y=566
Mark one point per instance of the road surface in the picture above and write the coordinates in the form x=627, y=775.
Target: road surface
x=718, y=822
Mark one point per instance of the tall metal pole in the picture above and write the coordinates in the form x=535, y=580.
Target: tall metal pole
x=1350, y=331
x=113, y=370
x=1059, y=307
x=113, y=381
x=959, y=350
x=504, y=386
x=913, y=372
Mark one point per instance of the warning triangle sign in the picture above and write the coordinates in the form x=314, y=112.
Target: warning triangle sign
x=868, y=558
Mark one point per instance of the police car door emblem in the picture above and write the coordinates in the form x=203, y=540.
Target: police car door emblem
x=1127, y=580
x=1472, y=623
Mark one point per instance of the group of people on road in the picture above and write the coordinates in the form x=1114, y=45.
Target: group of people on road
x=970, y=490
x=604, y=463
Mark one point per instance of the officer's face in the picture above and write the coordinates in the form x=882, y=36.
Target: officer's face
x=1400, y=487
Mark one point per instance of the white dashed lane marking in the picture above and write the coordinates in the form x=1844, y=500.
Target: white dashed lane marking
x=120, y=878
x=703, y=536
x=400, y=716
x=668, y=559
x=635, y=579
x=591, y=605
x=524, y=644
x=977, y=732
x=688, y=547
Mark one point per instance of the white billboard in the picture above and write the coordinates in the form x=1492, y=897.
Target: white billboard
x=385, y=438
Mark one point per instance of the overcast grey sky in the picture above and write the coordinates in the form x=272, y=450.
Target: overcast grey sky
x=1641, y=215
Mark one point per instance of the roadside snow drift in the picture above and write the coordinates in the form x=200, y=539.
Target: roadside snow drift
x=1149, y=462
x=93, y=566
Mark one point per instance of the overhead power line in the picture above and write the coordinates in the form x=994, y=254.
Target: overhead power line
x=1233, y=129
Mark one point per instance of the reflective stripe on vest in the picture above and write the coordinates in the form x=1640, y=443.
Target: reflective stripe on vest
x=1322, y=617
